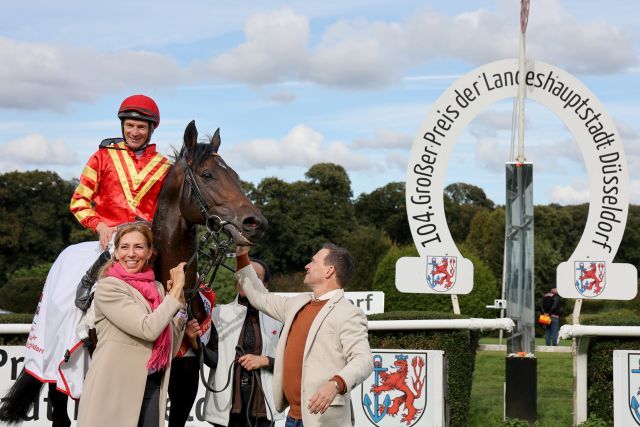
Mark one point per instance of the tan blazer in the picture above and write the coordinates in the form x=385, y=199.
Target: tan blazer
x=337, y=344
x=126, y=328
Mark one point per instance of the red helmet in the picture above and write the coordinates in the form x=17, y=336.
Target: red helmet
x=140, y=107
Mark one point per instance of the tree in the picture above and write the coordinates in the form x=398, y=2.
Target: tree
x=302, y=215
x=21, y=292
x=461, y=203
x=35, y=223
x=486, y=238
x=386, y=208
x=367, y=245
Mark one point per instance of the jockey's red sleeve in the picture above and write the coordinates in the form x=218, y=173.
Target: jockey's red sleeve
x=242, y=261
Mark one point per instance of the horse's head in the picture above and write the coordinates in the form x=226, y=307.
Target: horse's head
x=215, y=193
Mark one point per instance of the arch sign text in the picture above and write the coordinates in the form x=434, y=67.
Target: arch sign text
x=590, y=271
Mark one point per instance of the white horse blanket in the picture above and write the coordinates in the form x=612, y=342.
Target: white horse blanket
x=55, y=351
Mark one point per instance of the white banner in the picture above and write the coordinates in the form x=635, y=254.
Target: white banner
x=626, y=388
x=369, y=301
x=406, y=389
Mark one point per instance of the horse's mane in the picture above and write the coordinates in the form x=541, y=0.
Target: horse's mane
x=203, y=149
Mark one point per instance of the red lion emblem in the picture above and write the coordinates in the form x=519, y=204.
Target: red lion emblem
x=593, y=275
x=446, y=271
x=398, y=381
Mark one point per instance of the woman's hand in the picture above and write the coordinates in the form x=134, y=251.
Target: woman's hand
x=192, y=331
x=175, y=284
x=252, y=361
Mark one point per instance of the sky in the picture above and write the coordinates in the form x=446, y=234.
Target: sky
x=292, y=83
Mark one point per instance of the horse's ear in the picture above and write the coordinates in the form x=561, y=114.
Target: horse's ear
x=215, y=140
x=190, y=136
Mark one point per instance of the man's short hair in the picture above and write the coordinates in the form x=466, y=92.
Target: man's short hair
x=265, y=267
x=342, y=260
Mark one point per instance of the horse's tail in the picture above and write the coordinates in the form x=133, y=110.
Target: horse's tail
x=20, y=398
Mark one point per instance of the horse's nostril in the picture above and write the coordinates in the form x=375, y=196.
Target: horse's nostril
x=251, y=223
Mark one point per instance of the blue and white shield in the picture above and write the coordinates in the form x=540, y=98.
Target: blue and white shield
x=441, y=272
x=396, y=393
x=633, y=376
x=590, y=277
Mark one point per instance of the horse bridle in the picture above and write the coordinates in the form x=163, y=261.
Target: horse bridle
x=217, y=238
x=216, y=227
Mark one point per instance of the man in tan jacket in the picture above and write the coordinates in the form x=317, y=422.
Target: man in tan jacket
x=324, y=342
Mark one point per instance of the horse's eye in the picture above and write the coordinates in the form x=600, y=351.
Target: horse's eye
x=207, y=175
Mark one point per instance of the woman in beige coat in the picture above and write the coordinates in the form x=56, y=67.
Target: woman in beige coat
x=139, y=329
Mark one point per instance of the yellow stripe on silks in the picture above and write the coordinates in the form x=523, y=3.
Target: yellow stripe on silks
x=154, y=178
x=138, y=178
x=84, y=191
x=90, y=173
x=81, y=215
x=80, y=203
x=122, y=175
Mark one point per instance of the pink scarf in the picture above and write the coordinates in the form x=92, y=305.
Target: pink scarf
x=144, y=282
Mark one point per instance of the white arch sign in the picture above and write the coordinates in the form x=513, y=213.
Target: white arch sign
x=589, y=272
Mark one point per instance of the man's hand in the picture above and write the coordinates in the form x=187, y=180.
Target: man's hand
x=105, y=233
x=252, y=361
x=241, y=250
x=321, y=401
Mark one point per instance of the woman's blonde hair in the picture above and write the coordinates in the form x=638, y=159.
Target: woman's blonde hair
x=142, y=228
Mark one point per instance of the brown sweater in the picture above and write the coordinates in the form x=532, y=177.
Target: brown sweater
x=294, y=351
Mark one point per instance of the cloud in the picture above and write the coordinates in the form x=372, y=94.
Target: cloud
x=280, y=46
x=384, y=138
x=274, y=50
x=35, y=151
x=48, y=77
x=397, y=160
x=575, y=193
x=361, y=53
x=492, y=153
x=490, y=122
x=301, y=147
x=282, y=97
x=553, y=35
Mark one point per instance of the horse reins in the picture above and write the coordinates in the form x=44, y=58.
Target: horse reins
x=216, y=227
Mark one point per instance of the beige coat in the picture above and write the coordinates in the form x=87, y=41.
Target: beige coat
x=126, y=328
x=337, y=344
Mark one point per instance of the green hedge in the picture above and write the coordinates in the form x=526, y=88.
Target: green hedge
x=459, y=347
x=600, y=361
x=485, y=287
x=12, y=339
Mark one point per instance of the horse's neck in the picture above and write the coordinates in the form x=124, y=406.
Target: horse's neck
x=174, y=237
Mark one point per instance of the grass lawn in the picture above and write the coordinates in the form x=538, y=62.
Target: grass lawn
x=555, y=390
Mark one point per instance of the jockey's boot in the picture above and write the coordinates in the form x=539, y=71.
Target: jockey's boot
x=83, y=292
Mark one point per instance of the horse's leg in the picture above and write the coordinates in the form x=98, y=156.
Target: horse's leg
x=20, y=398
x=183, y=388
x=58, y=401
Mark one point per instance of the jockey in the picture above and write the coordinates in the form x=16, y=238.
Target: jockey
x=121, y=181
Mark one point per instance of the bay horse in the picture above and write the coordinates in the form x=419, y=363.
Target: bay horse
x=200, y=189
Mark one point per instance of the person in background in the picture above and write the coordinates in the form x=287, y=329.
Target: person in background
x=139, y=328
x=551, y=306
x=250, y=337
x=323, y=352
